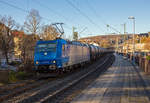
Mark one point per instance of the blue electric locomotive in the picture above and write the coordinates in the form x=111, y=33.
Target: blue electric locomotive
x=59, y=54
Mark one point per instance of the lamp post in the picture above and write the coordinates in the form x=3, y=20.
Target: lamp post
x=133, y=42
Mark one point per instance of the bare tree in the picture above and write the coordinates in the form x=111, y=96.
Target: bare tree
x=32, y=23
x=26, y=45
x=49, y=33
x=6, y=37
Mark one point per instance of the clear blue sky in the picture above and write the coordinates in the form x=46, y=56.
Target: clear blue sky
x=101, y=12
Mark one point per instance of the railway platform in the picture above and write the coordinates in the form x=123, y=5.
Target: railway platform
x=121, y=83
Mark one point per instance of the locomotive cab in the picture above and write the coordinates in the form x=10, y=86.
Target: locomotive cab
x=45, y=54
x=48, y=54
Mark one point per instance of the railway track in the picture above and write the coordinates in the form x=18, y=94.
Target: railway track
x=50, y=89
x=68, y=92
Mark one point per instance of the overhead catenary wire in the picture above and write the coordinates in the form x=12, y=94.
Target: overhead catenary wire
x=95, y=13
x=25, y=11
x=48, y=8
x=16, y=7
x=84, y=15
x=21, y=9
x=54, y=12
x=98, y=16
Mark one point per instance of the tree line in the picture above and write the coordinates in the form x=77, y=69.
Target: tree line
x=32, y=30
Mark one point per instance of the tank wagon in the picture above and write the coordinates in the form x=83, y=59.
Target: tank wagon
x=61, y=54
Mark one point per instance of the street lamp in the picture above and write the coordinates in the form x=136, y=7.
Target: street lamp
x=133, y=18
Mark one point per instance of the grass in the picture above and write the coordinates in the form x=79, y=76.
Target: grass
x=17, y=76
x=13, y=77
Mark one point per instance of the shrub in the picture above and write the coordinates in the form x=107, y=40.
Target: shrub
x=21, y=75
x=12, y=77
x=14, y=63
x=15, y=76
x=148, y=57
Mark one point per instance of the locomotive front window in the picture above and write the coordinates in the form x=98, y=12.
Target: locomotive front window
x=46, y=47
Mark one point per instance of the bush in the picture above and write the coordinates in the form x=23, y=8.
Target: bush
x=21, y=75
x=21, y=67
x=14, y=63
x=148, y=57
x=12, y=77
x=15, y=76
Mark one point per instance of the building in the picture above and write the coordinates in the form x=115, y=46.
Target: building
x=17, y=39
x=144, y=34
x=24, y=44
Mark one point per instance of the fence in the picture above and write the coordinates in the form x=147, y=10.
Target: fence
x=142, y=62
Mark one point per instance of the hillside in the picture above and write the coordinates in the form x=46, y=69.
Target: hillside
x=106, y=41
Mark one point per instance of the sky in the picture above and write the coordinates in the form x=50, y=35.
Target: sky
x=89, y=16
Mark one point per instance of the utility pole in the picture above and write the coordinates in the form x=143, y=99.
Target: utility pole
x=75, y=34
x=133, y=41
x=73, y=29
x=124, y=33
x=125, y=38
x=134, y=37
x=117, y=44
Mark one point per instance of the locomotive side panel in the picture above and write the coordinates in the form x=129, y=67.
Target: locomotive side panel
x=75, y=54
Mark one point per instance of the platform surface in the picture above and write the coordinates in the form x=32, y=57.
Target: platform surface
x=121, y=83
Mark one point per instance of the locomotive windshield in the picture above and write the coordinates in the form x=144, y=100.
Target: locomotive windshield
x=46, y=47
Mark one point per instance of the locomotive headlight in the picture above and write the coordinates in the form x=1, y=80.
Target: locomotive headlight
x=37, y=62
x=45, y=53
x=54, y=61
